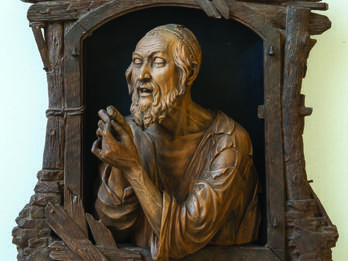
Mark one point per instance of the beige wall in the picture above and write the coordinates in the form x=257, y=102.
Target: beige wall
x=23, y=101
x=326, y=131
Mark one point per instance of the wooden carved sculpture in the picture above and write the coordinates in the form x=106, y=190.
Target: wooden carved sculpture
x=176, y=177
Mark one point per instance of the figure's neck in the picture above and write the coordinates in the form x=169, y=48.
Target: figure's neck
x=188, y=117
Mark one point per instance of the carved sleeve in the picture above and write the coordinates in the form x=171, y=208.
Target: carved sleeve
x=119, y=213
x=221, y=208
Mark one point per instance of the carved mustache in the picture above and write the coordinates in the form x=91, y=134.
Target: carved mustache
x=149, y=86
x=144, y=84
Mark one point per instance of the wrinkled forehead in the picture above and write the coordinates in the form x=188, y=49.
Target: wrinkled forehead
x=157, y=41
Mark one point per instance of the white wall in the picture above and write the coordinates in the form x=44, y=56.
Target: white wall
x=23, y=101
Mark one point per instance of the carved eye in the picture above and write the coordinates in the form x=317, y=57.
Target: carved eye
x=159, y=62
x=137, y=61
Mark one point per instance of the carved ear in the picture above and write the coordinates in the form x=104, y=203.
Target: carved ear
x=128, y=79
x=193, y=74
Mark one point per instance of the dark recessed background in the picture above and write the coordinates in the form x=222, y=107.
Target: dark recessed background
x=230, y=79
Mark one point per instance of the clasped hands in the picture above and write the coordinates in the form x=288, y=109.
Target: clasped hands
x=115, y=145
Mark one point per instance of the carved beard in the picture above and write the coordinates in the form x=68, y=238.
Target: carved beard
x=146, y=115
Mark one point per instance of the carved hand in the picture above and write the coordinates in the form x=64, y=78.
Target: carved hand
x=115, y=144
x=119, y=151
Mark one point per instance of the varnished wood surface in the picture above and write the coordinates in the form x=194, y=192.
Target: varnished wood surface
x=71, y=234
x=70, y=223
x=273, y=66
x=273, y=2
x=294, y=70
x=274, y=162
x=101, y=234
x=310, y=5
x=73, y=154
x=211, y=253
x=64, y=127
x=57, y=11
x=74, y=208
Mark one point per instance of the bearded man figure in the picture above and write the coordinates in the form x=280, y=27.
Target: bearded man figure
x=175, y=176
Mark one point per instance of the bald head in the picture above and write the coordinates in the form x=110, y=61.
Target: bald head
x=165, y=63
x=185, y=39
x=184, y=48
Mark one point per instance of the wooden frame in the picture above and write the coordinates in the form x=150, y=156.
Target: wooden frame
x=284, y=27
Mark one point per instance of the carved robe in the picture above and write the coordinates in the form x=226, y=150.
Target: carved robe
x=217, y=202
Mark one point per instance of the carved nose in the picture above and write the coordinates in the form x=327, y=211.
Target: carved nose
x=145, y=74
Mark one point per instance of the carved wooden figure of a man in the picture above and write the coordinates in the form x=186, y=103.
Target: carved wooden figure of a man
x=175, y=176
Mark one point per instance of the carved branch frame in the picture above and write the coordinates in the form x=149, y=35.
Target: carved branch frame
x=285, y=28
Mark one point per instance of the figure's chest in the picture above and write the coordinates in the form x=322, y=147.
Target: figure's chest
x=173, y=159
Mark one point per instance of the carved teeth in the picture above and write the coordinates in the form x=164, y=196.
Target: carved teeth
x=145, y=91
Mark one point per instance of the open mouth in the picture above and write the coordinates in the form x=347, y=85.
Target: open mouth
x=144, y=92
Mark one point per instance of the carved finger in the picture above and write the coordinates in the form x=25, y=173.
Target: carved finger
x=110, y=135
x=119, y=129
x=107, y=127
x=101, y=124
x=111, y=110
x=103, y=115
x=119, y=118
x=100, y=132
x=96, y=150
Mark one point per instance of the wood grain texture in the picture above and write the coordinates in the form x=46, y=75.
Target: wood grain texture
x=36, y=1
x=71, y=234
x=273, y=147
x=209, y=8
x=294, y=70
x=318, y=24
x=59, y=11
x=49, y=187
x=102, y=236
x=277, y=16
x=273, y=2
x=222, y=7
x=73, y=178
x=114, y=254
x=60, y=251
x=211, y=253
x=70, y=224
x=41, y=44
x=63, y=148
x=73, y=205
x=54, y=36
x=62, y=10
x=55, y=130
x=253, y=18
x=74, y=111
x=54, y=144
x=50, y=175
x=310, y=5
x=310, y=235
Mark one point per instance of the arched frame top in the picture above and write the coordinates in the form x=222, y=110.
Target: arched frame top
x=238, y=11
x=73, y=92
